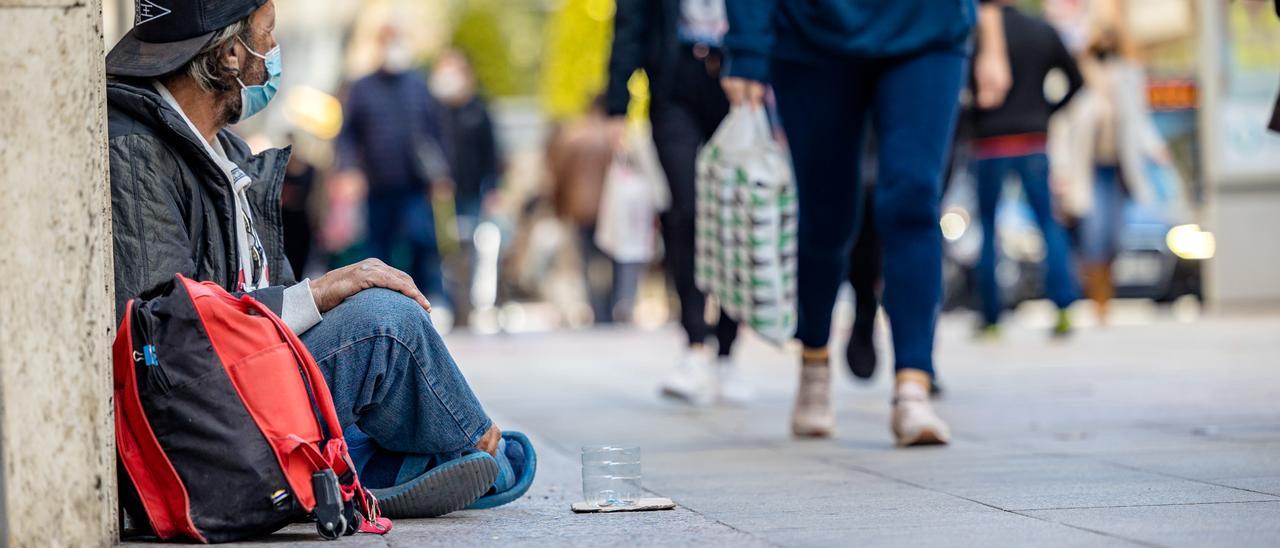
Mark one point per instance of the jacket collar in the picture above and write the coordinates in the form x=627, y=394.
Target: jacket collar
x=139, y=100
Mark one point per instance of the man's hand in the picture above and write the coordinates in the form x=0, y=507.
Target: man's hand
x=616, y=128
x=334, y=287
x=991, y=73
x=742, y=91
x=992, y=78
x=445, y=186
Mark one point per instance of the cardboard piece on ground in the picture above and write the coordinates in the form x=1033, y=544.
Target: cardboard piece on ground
x=642, y=505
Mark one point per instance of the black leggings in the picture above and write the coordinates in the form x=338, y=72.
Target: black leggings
x=682, y=121
x=864, y=269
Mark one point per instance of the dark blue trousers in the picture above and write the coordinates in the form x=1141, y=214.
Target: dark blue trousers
x=400, y=221
x=1033, y=170
x=912, y=102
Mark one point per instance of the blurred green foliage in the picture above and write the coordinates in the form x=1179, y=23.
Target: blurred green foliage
x=504, y=40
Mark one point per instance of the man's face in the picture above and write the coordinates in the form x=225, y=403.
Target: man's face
x=252, y=69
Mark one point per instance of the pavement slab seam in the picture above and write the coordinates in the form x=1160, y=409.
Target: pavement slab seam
x=881, y=475
x=548, y=445
x=1145, y=505
x=1181, y=477
x=714, y=520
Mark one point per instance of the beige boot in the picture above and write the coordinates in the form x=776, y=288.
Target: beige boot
x=812, y=416
x=914, y=422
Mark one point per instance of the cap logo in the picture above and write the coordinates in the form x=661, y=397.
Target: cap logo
x=146, y=11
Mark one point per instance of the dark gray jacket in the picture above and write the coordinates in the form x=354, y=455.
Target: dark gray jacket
x=172, y=208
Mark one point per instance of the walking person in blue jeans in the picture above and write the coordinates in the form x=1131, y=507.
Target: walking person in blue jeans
x=1011, y=139
x=391, y=126
x=834, y=64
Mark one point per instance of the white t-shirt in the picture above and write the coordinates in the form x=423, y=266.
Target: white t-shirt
x=299, y=311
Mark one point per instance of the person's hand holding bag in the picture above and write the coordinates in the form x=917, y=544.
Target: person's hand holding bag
x=743, y=91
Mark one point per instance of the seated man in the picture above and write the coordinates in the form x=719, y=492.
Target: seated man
x=188, y=197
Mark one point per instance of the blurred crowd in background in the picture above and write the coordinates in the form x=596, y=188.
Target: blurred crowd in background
x=496, y=108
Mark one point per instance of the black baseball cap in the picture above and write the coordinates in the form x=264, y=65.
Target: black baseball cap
x=168, y=33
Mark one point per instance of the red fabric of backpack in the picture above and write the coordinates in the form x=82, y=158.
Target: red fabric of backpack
x=225, y=427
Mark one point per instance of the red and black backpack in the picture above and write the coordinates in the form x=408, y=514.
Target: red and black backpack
x=224, y=425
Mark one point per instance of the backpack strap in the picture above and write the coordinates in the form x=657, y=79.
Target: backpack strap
x=160, y=489
x=334, y=447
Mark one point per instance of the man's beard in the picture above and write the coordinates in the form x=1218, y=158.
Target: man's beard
x=233, y=103
x=231, y=106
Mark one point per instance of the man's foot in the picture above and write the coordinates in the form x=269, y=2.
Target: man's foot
x=812, y=416
x=426, y=488
x=1062, y=327
x=914, y=421
x=517, y=465
x=861, y=355
x=733, y=389
x=692, y=381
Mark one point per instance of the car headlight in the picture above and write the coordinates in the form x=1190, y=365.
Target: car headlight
x=954, y=222
x=1191, y=243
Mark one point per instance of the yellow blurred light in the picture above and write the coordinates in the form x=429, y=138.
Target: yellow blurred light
x=953, y=225
x=1191, y=243
x=600, y=10
x=313, y=111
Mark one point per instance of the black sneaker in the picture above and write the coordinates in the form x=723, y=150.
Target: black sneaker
x=861, y=356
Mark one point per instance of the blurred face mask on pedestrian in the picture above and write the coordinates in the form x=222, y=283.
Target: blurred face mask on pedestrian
x=397, y=57
x=449, y=84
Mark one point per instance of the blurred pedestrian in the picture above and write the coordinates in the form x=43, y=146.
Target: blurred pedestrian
x=391, y=137
x=833, y=63
x=471, y=149
x=678, y=44
x=1275, y=114
x=864, y=275
x=295, y=214
x=1111, y=139
x=1011, y=138
x=578, y=157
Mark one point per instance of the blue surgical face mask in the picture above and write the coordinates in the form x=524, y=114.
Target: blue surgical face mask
x=255, y=98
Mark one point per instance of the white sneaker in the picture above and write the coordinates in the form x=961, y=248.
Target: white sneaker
x=692, y=381
x=914, y=422
x=812, y=416
x=733, y=389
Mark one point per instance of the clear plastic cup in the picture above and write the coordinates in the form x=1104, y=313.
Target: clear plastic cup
x=611, y=475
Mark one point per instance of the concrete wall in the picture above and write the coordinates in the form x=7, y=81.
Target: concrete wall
x=56, y=440
x=1246, y=272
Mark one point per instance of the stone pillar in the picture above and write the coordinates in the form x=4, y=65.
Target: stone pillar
x=57, y=464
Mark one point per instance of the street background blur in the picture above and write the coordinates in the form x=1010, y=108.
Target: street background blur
x=1157, y=428
x=539, y=64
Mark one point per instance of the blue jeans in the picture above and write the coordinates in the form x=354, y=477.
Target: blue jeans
x=912, y=102
x=403, y=220
x=392, y=377
x=1033, y=170
x=1100, y=228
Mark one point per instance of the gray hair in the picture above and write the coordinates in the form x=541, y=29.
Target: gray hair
x=206, y=68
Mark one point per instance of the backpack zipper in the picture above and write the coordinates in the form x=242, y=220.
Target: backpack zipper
x=157, y=379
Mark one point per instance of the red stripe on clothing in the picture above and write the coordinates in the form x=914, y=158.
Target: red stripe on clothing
x=1009, y=146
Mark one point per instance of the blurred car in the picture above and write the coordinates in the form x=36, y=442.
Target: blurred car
x=1160, y=258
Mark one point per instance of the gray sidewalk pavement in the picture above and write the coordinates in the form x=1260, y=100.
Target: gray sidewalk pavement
x=1164, y=433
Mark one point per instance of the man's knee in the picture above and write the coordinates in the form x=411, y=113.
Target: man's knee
x=386, y=311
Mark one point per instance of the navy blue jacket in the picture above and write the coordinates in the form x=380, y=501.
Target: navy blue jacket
x=644, y=37
x=799, y=30
x=385, y=118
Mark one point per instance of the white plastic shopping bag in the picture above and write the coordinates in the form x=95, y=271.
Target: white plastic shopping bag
x=625, y=225
x=746, y=225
